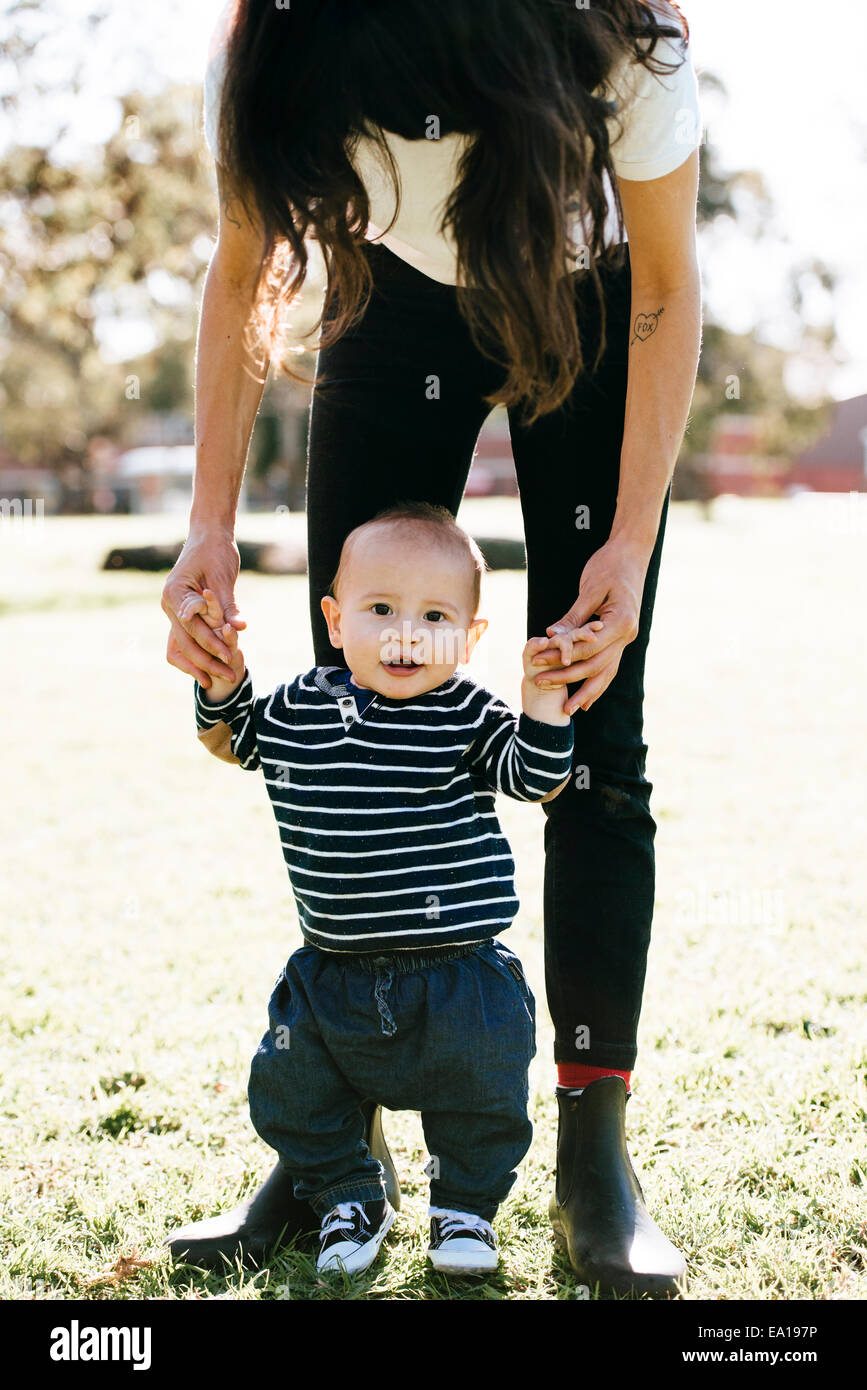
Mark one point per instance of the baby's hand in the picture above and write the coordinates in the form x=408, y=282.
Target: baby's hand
x=548, y=702
x=208, y=607
x=569, y=646
x=206, y=604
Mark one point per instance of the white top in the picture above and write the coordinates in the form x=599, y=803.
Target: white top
x=661, y=126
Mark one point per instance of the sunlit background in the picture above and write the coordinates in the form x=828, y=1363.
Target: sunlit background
x=109, y=93
x=793, y=110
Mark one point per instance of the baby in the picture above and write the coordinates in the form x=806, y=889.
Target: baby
x=382, y=776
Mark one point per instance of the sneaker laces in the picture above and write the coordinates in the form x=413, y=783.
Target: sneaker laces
x=340, y=1218
x=454, y=1221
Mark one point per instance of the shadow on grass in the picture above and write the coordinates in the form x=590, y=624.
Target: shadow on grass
x=291, y=1275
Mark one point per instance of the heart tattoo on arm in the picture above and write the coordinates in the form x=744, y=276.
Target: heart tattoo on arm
x=644, y=325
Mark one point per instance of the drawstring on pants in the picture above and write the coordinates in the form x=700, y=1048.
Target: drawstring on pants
x=384, y=979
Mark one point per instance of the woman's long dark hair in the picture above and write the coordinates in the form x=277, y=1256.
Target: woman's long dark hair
x=525, y=78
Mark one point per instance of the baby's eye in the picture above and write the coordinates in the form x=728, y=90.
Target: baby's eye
x=434, y=616
x=381, y=610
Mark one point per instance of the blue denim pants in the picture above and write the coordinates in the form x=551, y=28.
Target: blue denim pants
x=448, y=1033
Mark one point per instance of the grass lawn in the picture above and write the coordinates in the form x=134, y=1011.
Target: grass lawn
x=147, y=914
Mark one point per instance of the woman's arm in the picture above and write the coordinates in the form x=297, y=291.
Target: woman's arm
x=665, y=341
x=229, y=387
x=663, y=354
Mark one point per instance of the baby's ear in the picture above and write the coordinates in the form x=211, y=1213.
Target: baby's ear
x=474, y=632
x=331, y=612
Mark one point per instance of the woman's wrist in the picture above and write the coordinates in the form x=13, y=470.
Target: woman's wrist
x=208, y=524
x=635, y=536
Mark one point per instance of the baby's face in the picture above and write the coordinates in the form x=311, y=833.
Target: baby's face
x=403, y=617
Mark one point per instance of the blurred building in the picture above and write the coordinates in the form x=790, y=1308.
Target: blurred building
x=738, y=461
x=838, y=461
x=492, y=473
x=27, y=492
x=154, y=478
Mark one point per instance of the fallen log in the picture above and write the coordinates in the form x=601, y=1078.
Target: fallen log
x=287, y=557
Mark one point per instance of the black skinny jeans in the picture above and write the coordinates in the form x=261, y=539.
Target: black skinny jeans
x=375, y=438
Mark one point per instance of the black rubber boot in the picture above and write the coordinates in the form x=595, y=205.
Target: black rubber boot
x=271, y=1217
x=597, y=1211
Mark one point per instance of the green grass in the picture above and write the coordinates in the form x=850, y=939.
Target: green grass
x=147, y=915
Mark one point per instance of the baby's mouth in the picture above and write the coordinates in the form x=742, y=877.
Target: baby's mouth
x=406, y=665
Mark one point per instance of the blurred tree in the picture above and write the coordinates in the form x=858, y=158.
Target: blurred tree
x=741, y=373
x=90, y=255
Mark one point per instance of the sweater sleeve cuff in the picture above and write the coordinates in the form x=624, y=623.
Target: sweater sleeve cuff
x=208, y=714
x=548, y=738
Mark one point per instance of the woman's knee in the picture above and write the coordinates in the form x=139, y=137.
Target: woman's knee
x=602, y=795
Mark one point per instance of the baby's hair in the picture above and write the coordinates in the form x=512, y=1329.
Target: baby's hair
x=425, y=519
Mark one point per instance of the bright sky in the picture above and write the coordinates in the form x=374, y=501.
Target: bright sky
x=796, y=112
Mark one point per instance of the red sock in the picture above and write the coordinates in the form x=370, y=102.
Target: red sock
x=575, y=1074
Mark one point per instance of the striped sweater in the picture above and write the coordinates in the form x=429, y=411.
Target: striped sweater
x=386, y=814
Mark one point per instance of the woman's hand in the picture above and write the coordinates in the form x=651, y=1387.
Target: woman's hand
x=611, y=587
x=208, y=560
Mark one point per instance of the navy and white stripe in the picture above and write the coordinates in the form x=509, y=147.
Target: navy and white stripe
x=387, y=823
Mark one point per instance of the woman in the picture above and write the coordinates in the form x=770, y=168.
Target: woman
x=529, y=139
